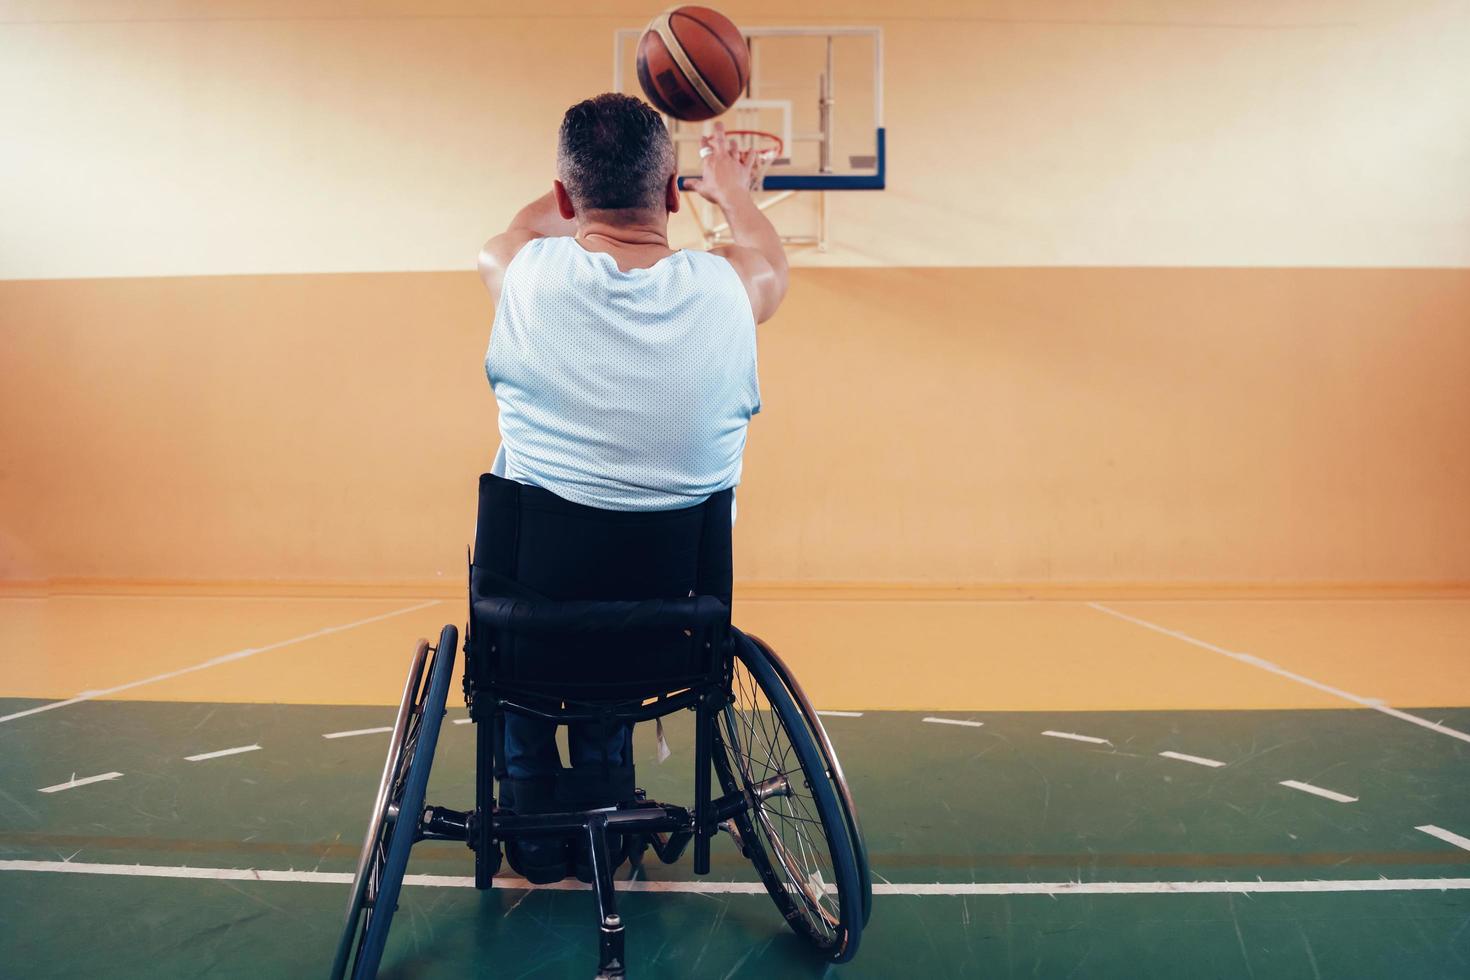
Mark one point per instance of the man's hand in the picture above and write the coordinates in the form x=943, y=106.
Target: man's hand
x=757, y=255
x=726, y=175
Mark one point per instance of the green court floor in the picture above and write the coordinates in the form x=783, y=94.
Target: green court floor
x=986, y=811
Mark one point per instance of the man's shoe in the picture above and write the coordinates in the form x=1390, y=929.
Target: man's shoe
x=541, y=862
x=617, y=853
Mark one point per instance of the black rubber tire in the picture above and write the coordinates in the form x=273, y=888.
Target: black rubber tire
x=835, y=932
x=834, y=768
x=405, y=780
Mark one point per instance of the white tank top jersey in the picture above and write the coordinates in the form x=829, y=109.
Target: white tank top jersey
x=622, y=390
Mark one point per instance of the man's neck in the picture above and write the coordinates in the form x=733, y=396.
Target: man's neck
x=643, y=230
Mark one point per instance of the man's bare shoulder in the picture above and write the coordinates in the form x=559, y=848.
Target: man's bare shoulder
x=497, y=254
x=764, y=283
x=742, y=257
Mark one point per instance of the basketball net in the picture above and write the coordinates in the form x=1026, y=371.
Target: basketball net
x=766, y=149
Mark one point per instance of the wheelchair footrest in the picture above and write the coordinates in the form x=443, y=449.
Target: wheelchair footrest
x=570, y=789
x=655, y=818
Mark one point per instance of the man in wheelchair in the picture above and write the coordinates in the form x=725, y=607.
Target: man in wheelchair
x=600, y=582
x=624, y=372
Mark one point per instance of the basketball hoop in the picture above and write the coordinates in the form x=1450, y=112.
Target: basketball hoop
x=767, y=149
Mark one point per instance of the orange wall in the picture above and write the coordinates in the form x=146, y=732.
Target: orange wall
x=922, y=425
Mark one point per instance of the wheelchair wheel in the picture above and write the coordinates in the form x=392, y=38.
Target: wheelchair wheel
x=394, y=824
x=794, y=830
x=818, y=733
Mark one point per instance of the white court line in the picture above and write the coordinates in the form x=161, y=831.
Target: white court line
x=1246, y=658
x=1198, y=760
x=1445, y=835
x=463, y=721
x=954, y=721
x=1326, y=794
x=358, y=731
x=74, y=782
x=216, y=661
x=842, y=714
x=1177, y=887
x=755, y=888
x=1077, y=738
x=221, y=753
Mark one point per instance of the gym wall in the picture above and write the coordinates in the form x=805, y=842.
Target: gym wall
x=1161, y=295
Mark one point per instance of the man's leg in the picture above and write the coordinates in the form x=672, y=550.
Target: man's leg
x=532, y=761
x=591, y=743
x=596, y=746
x=530, y=747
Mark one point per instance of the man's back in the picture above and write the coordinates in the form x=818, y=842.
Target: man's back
x=622, y=389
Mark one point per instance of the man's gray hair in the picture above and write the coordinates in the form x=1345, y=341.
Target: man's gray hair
x=614, y=154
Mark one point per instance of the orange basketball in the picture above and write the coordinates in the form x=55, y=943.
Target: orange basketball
x=693, y=63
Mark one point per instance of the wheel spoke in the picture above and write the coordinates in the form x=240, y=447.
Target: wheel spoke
x=796, y=840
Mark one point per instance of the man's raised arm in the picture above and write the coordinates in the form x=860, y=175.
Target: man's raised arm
x=757, y=254
x=542, y=218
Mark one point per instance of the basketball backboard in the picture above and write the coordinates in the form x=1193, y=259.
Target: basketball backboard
x=820, y=89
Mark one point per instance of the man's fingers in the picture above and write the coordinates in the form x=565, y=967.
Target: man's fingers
x=718, y=142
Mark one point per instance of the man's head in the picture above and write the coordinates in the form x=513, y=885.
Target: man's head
x=615, y=160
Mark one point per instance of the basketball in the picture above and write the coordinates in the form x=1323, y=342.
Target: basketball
x=693, y=63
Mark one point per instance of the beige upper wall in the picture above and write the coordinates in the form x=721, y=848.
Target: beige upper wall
x=149, y=138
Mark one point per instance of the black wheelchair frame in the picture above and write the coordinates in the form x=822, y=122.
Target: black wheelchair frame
x=745, y=703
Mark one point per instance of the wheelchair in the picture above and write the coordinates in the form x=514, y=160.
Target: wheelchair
x=581, y=615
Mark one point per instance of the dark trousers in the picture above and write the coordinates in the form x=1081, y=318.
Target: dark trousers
x=530, y=746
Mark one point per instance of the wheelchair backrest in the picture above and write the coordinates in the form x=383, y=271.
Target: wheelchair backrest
x=531, y=543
